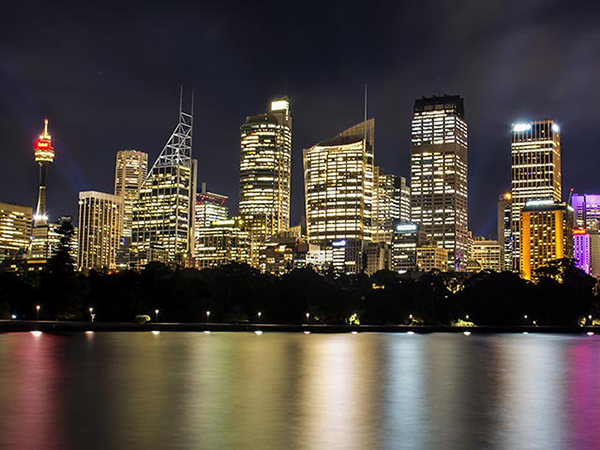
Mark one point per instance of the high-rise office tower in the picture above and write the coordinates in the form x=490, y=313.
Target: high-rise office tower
x=100, y=229
x=164, y=211
x=131, y=169
x=15, y=230
x=587, y=211
x=404, y=201
x=546, y=234
x=438, y=174
x=338, y=184
x=406, y=239
x=265, y=171
x=44, y=155
x=504, y=224
x=536, y=172
x=386, y=204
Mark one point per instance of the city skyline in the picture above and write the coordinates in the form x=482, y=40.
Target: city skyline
x=509, y=86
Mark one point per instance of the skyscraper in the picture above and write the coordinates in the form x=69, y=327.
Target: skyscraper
x=338, y=184
x=386, y=204
x=100, y=229
x=438, y=183
x=504, y=224
x=265, y=171
x=131, y=169
x=164, y=211
x=546, y=234
x=404, y=201
x=44, y=155
x=536, y=170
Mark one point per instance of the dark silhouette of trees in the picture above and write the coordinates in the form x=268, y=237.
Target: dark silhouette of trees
x=560, y=294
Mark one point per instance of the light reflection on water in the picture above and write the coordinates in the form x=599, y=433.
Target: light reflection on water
x=240, y=390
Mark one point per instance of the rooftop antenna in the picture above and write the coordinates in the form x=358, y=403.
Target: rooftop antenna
x=365, y=114
x=180, y=98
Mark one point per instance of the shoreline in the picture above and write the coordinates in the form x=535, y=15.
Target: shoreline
x=12, y=326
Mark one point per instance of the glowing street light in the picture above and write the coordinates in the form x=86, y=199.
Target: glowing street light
x=307, y=316
x=207, y=316
x=92, y=315
x=467, y=317
x=259, y=314
x=37, y=312
x=156, y=311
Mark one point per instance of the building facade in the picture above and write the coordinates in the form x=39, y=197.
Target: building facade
x=223, y=242
x=587, y=211
x=406, y=239
x=131, y=169
x=504, y=230
x=100, y=230
x=546, y=234
x=432, y=257
x=15, y=230
x=438, y=174
x=386, y=204
x=265, y=171
x=488, y=254
x=536, y=171
x=164, y=211
x=338, y=186
x=210, y=207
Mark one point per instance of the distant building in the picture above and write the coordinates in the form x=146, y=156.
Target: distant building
x=164, y=211
x=376, y=256
x=438, y=174
x=431, y=257
x=279, y=254
x=546, y=234
x=210, y=208
x=100, y=230
x=15, y=230
x=404, y=201
x=44, y=243
x=265, y=171
x=339, y=190
x=505, y=236
x=581, y=250
x=536, y=171
x=223, y=242
x=587, y=211
x=386, y=204
x=487, y=253
x=406, y=239
x=131, y=168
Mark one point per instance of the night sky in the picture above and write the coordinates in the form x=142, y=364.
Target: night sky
x=109, y=79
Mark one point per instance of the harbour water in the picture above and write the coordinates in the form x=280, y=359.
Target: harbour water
x=185, y=390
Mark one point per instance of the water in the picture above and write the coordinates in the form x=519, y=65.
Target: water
x=296, y=391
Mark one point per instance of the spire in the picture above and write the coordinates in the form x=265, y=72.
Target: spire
x=45, y=135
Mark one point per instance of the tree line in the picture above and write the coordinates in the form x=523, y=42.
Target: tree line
x=561, y=295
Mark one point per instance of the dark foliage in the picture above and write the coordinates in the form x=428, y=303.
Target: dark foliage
x=561, y=294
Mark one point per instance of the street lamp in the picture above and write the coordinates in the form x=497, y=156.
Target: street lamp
x=307, y=316
x=37, y=312
x=590, y=318
x=92, y=315
x=467, y=317
x=156, y=314
x=207, y=316
x=259, y=314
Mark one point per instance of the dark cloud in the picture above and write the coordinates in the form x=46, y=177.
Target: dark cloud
x=108, y=78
